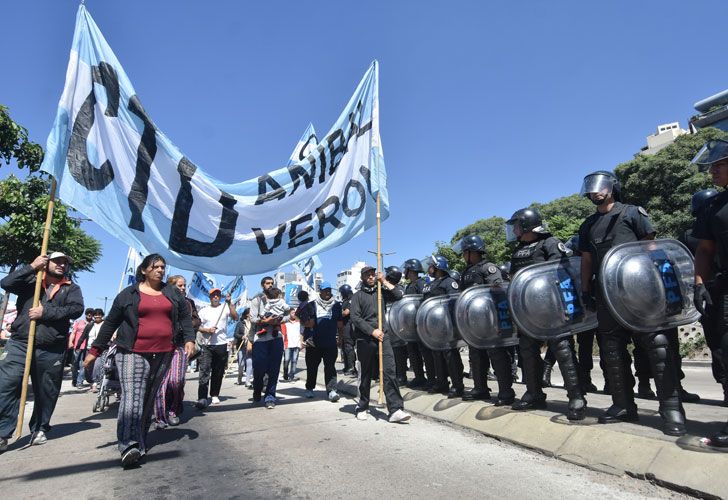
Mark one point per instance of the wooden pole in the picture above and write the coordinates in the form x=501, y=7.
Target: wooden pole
x=379, y=301
x=36, y=300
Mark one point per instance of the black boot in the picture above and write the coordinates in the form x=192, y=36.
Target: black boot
x=586, y=383
x=532, y=373
x=644, y=390
x=546, y=379
x=500, y=359
x=577, y=403
x=473, y=395
x=721, y=439
x=666, y=382
x=616, y=367
x=687, y=397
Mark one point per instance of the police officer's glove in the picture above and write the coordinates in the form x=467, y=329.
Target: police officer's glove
x=589, y=301
x=701, y=298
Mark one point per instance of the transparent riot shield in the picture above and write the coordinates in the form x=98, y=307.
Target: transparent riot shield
x=648, y=285
x=545, y=300
x=402, y=317
x=483, y=319
x=435, y=323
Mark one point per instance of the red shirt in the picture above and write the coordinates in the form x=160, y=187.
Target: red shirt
x=155, y=324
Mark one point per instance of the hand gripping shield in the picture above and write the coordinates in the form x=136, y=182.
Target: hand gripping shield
x=402, y=317
x=435, y=323
x=648, y=285
x=545, y=300
x=483, y=318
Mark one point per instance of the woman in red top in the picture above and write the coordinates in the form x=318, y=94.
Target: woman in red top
x=150, y=318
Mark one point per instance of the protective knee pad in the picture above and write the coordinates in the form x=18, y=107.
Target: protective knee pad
x=562, y=351
x=657, y=346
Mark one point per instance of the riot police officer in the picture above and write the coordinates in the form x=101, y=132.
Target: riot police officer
x=535, y=244
x=393, y=274
x=418, y=353
x=481, y=272
x=712, y=254
x=612, y=224
x=347, y=340
x=447, y=363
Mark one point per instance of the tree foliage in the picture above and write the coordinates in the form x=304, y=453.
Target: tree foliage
x=664, y=183
x=14, y=144
x=23, y=208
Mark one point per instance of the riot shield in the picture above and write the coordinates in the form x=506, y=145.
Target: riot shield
x=648, y=285
x=402, y=317
x=483, y=318
x=545, y=300
x=435, y=323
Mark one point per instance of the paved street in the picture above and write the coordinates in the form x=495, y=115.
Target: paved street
x=303, y=448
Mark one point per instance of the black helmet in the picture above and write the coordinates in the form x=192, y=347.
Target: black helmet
x=413, y=265
x=455, y=275
x=393, y=274
x=471, y=242
x=600, y=180
x=345, y=291
x=505, y=270
x=700, y=198
x=529, y=220
x=711, y=152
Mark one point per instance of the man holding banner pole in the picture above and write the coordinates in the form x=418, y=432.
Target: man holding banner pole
x=60, y=302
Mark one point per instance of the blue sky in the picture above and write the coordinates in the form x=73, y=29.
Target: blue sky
x=485, y=106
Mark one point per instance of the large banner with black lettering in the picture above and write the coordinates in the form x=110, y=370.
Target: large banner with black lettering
x=115, y=166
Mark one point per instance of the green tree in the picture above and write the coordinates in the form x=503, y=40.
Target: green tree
x=664, y=183
x=565, y=215
x=15, y=145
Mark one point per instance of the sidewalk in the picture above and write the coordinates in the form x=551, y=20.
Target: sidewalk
x=638, y=449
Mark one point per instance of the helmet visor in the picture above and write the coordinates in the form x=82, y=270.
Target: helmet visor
x=511, y=231
x=711, y=152
x=457, y=247
x=597, y=183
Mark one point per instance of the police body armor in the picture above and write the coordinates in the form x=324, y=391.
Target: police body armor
x=545, y=300
x=402, y=317
x=483, y=319
x=648, y=285
x=436, y=326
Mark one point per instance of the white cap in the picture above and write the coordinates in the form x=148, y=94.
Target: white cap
x=59, y=255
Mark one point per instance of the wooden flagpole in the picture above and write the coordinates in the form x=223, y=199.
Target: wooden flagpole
x=36, y=300
x=379, y=301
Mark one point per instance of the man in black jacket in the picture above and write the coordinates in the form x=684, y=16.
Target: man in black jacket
x=60, y=302
x=364, y=319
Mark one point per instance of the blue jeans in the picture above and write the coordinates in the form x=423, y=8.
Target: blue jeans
x=78, y=373
x=267, y=361
x=290, y=360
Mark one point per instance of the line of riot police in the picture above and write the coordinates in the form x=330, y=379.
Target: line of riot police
x=616, y=280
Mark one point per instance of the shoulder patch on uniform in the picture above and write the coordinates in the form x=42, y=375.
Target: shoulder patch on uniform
x=642, y=211
x=455, y=285
x=492, y=269
x=562, y=248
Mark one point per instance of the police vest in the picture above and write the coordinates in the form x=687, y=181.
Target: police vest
x=482, y=273
x=527, y=255
x=440, y=286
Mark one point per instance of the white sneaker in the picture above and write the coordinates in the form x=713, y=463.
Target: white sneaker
x=399, y=416
x=362, y=415
x=333, y=396
x=308, y=394
x=215, y=400
x=38, y=438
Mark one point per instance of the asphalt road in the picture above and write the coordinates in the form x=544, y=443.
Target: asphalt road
x=302, y=449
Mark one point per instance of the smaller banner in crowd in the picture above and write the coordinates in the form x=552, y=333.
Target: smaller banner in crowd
x=133, y=260
x=308, y=268
x=199, y=289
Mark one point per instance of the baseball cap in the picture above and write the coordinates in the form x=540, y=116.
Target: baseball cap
x=366, y=269
x=214, y=291
x=60, y=255
x=324, y=285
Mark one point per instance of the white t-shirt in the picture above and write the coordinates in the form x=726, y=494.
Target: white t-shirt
x=293, y=334
x=93, y=333
x=209, y=316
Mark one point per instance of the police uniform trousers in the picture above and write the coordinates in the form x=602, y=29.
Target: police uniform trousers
x=502, y=360
x=533, y=366
x=440, y=370
x=347, y=346
x=416, y=358
x=619, y=375
x=454, y=366
x=367, y=352
x=479, y=366
x=399, y=347
x=717, y=314
x=711, y=322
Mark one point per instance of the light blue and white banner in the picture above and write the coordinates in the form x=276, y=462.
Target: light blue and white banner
x=199, y=288
x=116, y=167
x=308, y=268
x=306, y=145
x=133, y=260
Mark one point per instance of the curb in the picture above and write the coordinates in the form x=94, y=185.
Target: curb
x=684, y=465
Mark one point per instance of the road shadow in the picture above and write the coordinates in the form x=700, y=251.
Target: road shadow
x=169, y=435
x=57, y=432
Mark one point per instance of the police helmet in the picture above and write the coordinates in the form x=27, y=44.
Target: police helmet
x=505, y=270
x=700, y=199
x=529, y=220
x=455, y=275
x=393, y=274
x=601, y=180
x=438, y=262
x=712, y=152
x=345, y=291
x=471, y=242
x=413, y=265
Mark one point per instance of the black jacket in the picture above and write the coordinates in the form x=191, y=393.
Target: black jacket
x=124, y=316
x=363, y=310
x=53, y=327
